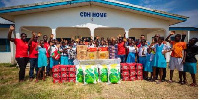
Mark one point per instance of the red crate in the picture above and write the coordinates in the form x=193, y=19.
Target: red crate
x=72, y=80
x=71, y=69
x=125, y=72
x=132, y=66
x=139, y=72
x=71, y=74
x=63, y=68
x=64, y=80
x=125, y=78
x=56, y=80
x=133, y=78
x=140, y=77
x=133, y=72
x=64, y=74
x=124, y=66
x=139, y=66
x=56, y=69
x=56, y=75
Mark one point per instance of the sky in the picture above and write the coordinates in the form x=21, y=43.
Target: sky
x=187, y=8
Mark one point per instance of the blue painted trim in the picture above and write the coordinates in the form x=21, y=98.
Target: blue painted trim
x=5, y=25
x=183, y=28
x=99, y=1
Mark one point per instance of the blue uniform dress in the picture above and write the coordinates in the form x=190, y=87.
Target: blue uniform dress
x=131, y=55
x=148, y=65
x=159, y=59
x=64, y=56
x=42, y=58
x=142, y=58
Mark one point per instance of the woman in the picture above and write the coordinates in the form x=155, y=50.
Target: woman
x=21, y=54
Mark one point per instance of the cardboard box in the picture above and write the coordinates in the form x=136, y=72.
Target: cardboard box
x=132, y=66
x=56, y=69
x=125, y=78
x=133, y=78
x=56, y=75
x=56, y=80
x=63, y=68
x=92, y=55
x=81, y=47
x=92, y=49
x=64, y=74
x=125, y=73
x=103, y=48
x=103, y=55
x=133, y=72
x=82, y=52
x=124, y=66
x=140, y=77
x=82, y=57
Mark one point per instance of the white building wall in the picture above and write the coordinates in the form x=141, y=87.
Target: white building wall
x=5, y=57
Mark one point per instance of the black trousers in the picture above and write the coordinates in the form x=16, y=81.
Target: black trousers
x=164, y=73
x=22, y=62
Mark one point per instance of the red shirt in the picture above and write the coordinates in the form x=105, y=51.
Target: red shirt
x=139, y=45
x=21, y=48
x=121, y=48
x=46, y=45
x=33, y=53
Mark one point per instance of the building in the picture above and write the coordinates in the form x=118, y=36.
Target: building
x=86, y=18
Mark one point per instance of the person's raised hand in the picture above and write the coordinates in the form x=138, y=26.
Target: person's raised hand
x=33, y=33
x=39, y=34
x=51, y=36
x=184, y=33
x=172, y=32
x=12, y=28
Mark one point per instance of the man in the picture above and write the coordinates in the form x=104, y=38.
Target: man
x=33, y=56
x=46, y=46
x=177, y=58
x=122, y=49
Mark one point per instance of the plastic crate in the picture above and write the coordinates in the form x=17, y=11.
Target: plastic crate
x=64, y=74
x=71, y=74
x=56, y=80
x=63, y=68
x=132, y=66
x=56, y=75
x=133, y=78
x=139, y=66
x=125, y=78
x=133, y=72
x=125, y=72
x=124, y=66
x=56, y=69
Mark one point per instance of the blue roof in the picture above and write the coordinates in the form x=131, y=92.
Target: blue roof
x=183, y=28
x=5, y=25
x=145, y=10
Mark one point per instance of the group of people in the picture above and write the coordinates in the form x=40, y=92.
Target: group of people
x=43, y=54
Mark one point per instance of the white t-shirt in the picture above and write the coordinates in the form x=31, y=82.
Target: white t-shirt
x=131, y=49
x=140, y=50
x=53, y=48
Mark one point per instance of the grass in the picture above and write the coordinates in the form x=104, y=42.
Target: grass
x=10, y=88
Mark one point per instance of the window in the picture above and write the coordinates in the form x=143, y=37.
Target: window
x=4, y=45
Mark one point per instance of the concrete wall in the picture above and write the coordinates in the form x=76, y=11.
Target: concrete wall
x=5, y=57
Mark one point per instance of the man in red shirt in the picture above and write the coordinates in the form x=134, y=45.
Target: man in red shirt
x=21, y=52
x=122, y=49
x=46, y=45
x=33, y=56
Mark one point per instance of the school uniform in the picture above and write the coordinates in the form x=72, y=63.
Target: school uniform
x=190, y=64
x=53, y=62
x=148, y=66
x=72, y=55
x=142, y=58
x=131, y=55
x=64, y=60
x=159, y=58
x=42, y=58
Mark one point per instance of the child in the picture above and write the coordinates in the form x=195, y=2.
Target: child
x=148, y=65
x=142, y=54
x=131, y=56
x=159, y=58
x=64, y=54
x=52, y=49
x=72, y=55
x=42, y=60
x=190, y=64
x=177, y=58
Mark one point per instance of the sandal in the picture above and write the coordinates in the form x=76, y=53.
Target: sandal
x=170, y=81
x=193, y=85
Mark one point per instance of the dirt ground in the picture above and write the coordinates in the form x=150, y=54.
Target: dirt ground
x=10, y=88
